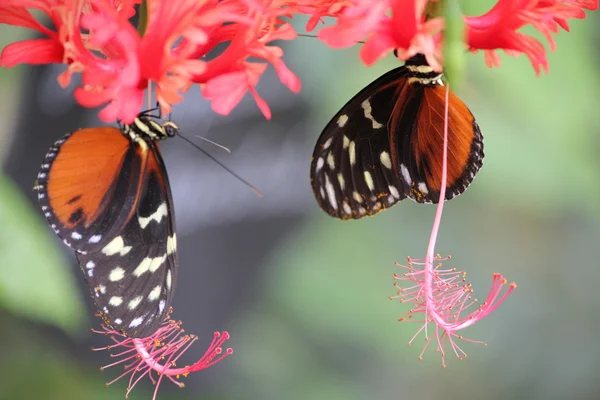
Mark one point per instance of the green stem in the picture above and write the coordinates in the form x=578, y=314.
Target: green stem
x=143, y=21
x=454, y=43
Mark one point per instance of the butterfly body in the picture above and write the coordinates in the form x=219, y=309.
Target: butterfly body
x=105, y=192
x=386, y=144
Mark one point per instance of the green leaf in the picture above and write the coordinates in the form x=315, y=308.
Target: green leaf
x=35, y=280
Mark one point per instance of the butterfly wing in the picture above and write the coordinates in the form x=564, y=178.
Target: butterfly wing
x=132, y=279
x=418, y=138
x=87, y=186
x=351, y=171
x=110, y=201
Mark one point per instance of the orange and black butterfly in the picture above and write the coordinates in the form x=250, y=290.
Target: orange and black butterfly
x=386, y=144
x=106, y=193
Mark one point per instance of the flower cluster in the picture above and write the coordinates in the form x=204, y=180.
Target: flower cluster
x=117, y=62
x=408, y=27
x=211, y=42
x=158, y=354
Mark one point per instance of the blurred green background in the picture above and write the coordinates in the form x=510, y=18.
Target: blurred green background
x=311, y=319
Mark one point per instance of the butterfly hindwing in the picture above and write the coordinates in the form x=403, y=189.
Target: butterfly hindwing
x=419, y=137
x=352, y=167
x=131, y=279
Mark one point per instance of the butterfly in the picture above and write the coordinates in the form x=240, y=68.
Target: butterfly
x=106, y=194
x=386, y=144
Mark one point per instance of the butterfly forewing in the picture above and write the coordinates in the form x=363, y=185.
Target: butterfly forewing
x=352, y=167
x=87, y=185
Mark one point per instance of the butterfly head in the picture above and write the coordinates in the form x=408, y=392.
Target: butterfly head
x=170, y=128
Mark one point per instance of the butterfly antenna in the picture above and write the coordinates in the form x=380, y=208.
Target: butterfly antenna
x=239, y=178
x=214, y=143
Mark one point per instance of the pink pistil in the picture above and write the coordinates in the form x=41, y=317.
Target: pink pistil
x=444, y=296
x=159, y=353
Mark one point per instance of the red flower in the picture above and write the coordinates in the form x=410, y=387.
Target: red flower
x=497, y=29
x=230, y=75
x=319, y=9
x=35, y=51
x=117, y=65
x=402, y=25
x=159, y=354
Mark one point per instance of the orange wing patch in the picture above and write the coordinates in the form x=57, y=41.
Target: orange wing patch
x=82, y=173
x=428, y=139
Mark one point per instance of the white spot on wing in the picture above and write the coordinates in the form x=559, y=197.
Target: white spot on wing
x=366, y=105
x=320, y=163
x=157, y=262
x=75, y=236
x=342, y=120
x=161, y=306
x=155, y=293
x=327, y=143
x=118, y=321
x=157, y=216
x=115, y=301
x=356, y=196
x=330, y=161
x=352, y=152
x=172, y=244
x=405, y=174
x=136, y=322
x=394, y=191
x=423, y=188
x=117, y=245
x=95, y=239
x=346, y=142
x=143, y=267
x=90, y=265
x=347, y=208
x=330, y=193
x=369, y=180
x=169, y=279
x=149, y=264
x=384, y=157
x=116, y=274
x=341, y=181
x=102, y=289
x=134, y=303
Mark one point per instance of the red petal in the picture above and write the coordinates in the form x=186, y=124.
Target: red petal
x=34, y=51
